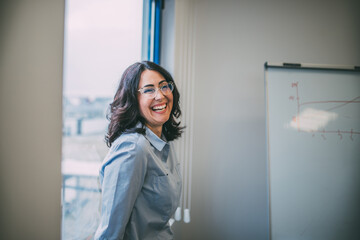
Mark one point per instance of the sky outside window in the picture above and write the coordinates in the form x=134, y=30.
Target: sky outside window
x=102, y=38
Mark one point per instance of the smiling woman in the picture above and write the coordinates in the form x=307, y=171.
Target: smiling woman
x=140, y=176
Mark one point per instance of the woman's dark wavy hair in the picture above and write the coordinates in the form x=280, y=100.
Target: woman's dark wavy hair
x=124, y=111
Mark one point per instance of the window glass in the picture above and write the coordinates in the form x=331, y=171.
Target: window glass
x=102, y=38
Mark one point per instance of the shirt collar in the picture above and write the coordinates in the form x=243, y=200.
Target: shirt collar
x=157, y=142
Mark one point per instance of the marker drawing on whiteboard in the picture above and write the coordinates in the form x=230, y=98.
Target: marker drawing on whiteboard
x=311, y=120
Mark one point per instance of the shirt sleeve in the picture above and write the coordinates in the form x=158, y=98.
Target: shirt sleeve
x=123, y=176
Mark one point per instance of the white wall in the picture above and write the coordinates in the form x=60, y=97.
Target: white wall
x=233, y=40
x=31, y=47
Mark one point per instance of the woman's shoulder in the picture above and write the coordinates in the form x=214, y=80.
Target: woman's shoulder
x=126, y=146
x=128, y=139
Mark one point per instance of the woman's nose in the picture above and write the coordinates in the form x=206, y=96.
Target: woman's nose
x=159, y=95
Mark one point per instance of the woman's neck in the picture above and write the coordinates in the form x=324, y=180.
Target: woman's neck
x=156, y=130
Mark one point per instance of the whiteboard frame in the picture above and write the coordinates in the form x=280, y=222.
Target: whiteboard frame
x=312, y=66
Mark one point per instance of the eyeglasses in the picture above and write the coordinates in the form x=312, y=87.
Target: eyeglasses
x=150, y=92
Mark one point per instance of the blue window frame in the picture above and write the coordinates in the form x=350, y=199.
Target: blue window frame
x=152, y=30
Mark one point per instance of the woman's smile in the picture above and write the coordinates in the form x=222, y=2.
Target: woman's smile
x=159, y=108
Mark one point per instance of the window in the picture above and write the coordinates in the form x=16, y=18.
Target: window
x=102, y=38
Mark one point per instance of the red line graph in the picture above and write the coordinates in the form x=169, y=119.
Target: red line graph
x=333, y=101
x=341, y=103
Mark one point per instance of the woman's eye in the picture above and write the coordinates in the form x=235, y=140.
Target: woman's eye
x=149, y=90
x=165, y=87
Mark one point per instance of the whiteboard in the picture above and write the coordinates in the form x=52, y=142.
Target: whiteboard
x=313, y=138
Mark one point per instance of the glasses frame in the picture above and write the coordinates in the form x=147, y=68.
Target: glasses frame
x=141, y=90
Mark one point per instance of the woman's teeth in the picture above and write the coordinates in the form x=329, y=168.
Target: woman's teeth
x=159, y=107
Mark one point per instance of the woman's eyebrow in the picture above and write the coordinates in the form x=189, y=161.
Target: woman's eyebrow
x=152, y=85
x=148, y=85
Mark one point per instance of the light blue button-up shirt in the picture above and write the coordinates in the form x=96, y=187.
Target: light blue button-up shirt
x=141, y=187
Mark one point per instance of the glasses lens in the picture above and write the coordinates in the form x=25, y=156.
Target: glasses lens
x=167, y=88
x=149, y=91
